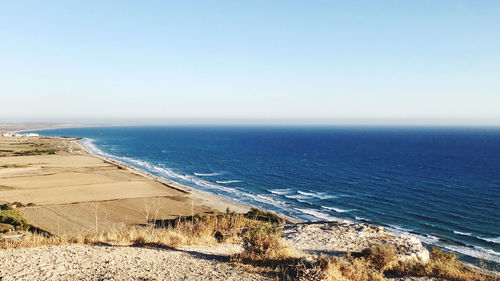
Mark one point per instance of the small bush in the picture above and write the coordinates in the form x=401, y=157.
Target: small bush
x=256, y=214
x=6, y=206
x=441, y=265
x=35, y=152
x=13, y=217
x=381, y=256
x=352, y=269
x=18, y=204
x=263, y=242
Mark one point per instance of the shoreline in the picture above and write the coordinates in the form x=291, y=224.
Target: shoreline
x=168, y=183
x=72, y=191
x=175, y=185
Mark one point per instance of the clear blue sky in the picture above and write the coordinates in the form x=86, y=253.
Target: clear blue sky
x=265, y=59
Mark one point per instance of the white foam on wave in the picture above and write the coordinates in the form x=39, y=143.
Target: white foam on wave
x=338, y=210
x=317, y=214
x=305, y=193
x=475, y=251
x=398, y=230
x=320, y=195
x=472, y=251
x=264, y=199
x=491, y=239
x=89, y=144
x=163, y=171
x=495, y=240
x=281, y=191
x=298, y=196
x=463, y=233
x=208, y=174
x=228, y=181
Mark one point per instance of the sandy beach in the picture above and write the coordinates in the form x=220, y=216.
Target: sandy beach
x=75, y=192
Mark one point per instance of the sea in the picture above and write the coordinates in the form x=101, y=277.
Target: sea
x=439, y=184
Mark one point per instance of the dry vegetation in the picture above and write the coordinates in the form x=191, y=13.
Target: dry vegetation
x=209, y=229
x=13, y=146
x=263, y=246
x=375, y=264
x=443, y=265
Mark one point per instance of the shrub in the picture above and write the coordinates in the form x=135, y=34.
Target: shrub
x=6, y=206
x=14, y=217
x=256, y=214
x=351, y=269
x=442, y=265
x=263, y=242
x=18, y=204
x=381, y=256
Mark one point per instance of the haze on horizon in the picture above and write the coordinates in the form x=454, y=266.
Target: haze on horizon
x=399, y=62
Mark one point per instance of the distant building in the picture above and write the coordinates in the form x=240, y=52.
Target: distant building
x=32, y=135
x=7, y=135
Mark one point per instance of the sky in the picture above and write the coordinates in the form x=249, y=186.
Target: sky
x=433, y=61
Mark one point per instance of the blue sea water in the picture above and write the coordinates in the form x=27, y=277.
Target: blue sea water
x=441, y=185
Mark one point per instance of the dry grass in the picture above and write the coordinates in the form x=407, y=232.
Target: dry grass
x=380, y=256
x=263, y=242
x=442, y=265
x=183, y=231
x=266, y=251
x=379, y=261
x=351, y=269
x=34, y=240
x=264, y=248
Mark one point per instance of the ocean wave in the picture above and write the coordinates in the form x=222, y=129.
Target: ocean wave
x=168, y=173
x=265, y=199
x=305, y=193
x=495, y=240
x=317, y=214
x=297, y=197
x=320, y=195
x=424, y=238
x=281, y=191
x=89, y=144
x=468, y=250
x=229, y=181
x=463, y=233
x=338, y=210
x=491, y=239
x=208, y=174
x=474, y=251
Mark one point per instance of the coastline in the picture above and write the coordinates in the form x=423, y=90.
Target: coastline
x=199, y=197
x=310, y=237
x=72, y=191
x=424, y=238
x=168, y=183
x=183, y=188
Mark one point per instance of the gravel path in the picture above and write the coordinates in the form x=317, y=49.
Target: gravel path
x=119, y=263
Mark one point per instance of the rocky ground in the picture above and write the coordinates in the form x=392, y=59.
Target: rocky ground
x=190, y=262
x=338, y=238
x=119, y=263
x=128, y=263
